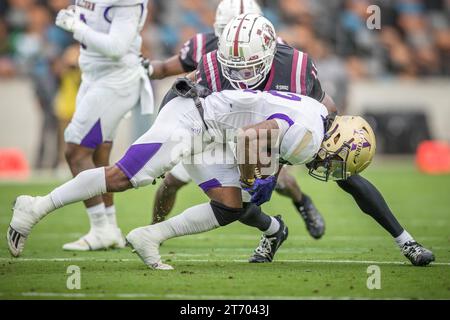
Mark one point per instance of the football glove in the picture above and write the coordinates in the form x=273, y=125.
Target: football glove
x=67, y=19
x=261, y=190
x=147, y=65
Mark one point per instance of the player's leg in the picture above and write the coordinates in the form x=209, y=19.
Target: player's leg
x=167, y=192
x=275, y=232
x=209, y=175
x=371, y=202
x=221, y=184
x=28, y=211
x=98, y=113
x=288, y=186
x=82, y=137
x=101, y=159
x=224, y=208
x=148, y=158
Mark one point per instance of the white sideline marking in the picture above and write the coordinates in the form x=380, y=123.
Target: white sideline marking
x=174, y=259
x=182, y=296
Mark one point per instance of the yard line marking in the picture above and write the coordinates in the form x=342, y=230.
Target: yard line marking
x=240, y=236
x=184, y=296
x=175, y=259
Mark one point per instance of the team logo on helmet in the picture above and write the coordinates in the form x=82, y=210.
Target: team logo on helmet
x=267, y=34
x=347, y=149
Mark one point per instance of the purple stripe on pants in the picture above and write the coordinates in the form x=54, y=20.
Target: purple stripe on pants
x=136, y=157
x=94, y=136
x=210, y=184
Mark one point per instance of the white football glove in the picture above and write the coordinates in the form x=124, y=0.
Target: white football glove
x=67, y=19
x=145, y=62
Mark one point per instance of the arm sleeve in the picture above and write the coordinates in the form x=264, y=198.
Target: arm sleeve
x=186, y=56
x=123, y=30
x=314, y=88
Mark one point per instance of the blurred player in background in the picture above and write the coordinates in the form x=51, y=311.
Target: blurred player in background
x=187, y=61
x=65, y=99
x=113, y=82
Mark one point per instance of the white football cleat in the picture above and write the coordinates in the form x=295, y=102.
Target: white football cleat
x=22, y=221
x=96, y=239
x=120, y=240
x=146, y=247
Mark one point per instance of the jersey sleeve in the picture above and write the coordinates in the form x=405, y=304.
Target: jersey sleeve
x=296, y=145
x=122, y=32
x=200, y=74
x=186, y=56
x=313, y=86
x=192, y=52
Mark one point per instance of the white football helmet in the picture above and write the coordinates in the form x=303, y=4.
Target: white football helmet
x=228, y=9
x=246, y=50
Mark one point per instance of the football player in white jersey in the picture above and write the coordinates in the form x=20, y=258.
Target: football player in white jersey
x=187, y=61
x=294, y=122
x=113, y=82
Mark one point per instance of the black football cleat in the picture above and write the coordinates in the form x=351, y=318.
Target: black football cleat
x=315, y=224
x=268, y=245
x=417, y=254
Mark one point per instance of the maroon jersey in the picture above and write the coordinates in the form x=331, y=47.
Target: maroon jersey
x=195, y=48
x=291, y=71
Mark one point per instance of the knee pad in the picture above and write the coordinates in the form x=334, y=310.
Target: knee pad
x=225, y=215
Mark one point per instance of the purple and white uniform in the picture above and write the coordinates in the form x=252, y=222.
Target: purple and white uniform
x=169, y=140
x=113, y=80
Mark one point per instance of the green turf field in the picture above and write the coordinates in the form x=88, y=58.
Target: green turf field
x=213, y=265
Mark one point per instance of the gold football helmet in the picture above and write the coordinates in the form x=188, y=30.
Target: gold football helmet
x=347, y=149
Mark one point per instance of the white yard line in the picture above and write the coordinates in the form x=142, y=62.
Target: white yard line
x=175, y=259
x=249, y=236
x=177, y=296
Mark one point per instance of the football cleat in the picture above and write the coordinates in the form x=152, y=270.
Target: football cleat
x=146, y=247
x=417, y=254
x=315, y=224
x=96, y=239
x=16, y=242
x=269, y=245
x=120, y=240
x=22, y=222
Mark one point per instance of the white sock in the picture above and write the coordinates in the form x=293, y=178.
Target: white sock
x=85, y=185
x=273, y=228
x=193, y=220
x=97, y=216
x=403, y=238
x=111, y=215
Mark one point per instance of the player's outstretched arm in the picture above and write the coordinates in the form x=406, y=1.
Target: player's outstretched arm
x=162, y=69
x=115, y=44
